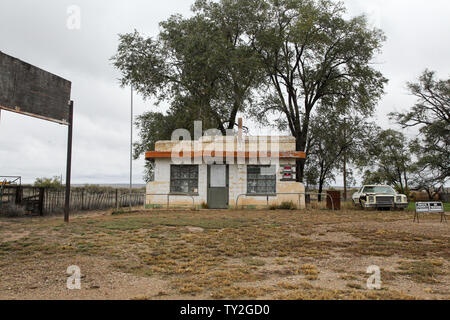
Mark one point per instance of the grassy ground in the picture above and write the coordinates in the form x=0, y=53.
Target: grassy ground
x=206, y=254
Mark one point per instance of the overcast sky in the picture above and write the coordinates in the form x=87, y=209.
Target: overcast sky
x=418, y=34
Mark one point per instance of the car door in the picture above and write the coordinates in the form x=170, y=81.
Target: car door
x=356, y=195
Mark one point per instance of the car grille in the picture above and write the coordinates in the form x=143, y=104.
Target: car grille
x=385, y=200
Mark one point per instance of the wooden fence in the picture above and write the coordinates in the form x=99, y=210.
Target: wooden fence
x=44, y=201
x=84, y=200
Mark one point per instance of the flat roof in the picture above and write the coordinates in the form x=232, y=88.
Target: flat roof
x=168, y=154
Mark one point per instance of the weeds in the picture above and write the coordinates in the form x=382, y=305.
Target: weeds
x=422, y=271
x=287, y=205
x=238, y=254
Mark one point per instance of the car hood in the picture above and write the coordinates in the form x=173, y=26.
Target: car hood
x=380, y=194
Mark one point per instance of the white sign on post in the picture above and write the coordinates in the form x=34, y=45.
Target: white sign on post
x=430, y=207
x=422, y=207
x=436, y=207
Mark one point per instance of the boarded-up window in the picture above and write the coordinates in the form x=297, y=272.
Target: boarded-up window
x=261, y=180
x=184, y=179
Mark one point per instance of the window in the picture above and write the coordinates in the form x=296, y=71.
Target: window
x=379, y=189
x=183, y=179
x=261, y=180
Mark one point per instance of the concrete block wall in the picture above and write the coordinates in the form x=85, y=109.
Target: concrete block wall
x=161, y=185
x=238, y=185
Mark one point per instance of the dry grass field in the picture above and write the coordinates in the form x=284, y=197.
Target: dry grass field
x=207, y=254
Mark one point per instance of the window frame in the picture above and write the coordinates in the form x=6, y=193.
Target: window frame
x=260, y=177
x=191, y=183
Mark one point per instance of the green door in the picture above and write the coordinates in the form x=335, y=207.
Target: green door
x=218, y=186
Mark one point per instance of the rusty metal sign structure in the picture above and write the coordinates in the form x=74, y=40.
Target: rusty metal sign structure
x=31, y=91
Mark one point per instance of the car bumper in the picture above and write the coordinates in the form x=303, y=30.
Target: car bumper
x=386, y=205
x=378, y=205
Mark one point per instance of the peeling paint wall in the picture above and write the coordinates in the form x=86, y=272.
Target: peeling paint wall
x=238, y=186
x=237, y=183
x=161, y=185
x=219, y=143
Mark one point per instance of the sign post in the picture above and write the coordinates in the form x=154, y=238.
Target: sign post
x=69, y=163
x=430, y=207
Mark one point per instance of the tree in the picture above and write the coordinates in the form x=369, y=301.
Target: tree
x=52, y=183
x=426, y=171
x=389, y=161
x=201, y=60
x=431, y=114
x=333, y=136
x=312, y=56
x=199, y=66
x=156, y=126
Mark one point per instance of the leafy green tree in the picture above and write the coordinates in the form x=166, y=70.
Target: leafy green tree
x=52, y=183
x=313, y=56
x=156, y=126
x=201, y=60
x=199, y=66
x=332, y=137
x=389, y=160
x=431, y=114
x=296, y=54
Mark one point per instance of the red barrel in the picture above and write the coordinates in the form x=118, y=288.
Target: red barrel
x=336, y=198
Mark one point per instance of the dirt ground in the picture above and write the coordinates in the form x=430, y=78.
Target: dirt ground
x=207, y=254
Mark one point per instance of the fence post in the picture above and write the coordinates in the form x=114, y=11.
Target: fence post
x=117, y=200
x=19, y=195
x=41, y=201
x=82, y=199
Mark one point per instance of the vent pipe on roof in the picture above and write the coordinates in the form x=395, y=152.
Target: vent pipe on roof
x=240, y=125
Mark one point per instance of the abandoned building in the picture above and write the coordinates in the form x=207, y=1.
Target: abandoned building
x=219, y=172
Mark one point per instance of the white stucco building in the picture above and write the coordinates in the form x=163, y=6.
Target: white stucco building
x=215, y=172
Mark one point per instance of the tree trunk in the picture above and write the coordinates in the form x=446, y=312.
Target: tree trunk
x=300, y=144
x=300, y=163
x=233, y=115
x=406, y=180
x=319, y=196
x=345, y=177
x=430, y=196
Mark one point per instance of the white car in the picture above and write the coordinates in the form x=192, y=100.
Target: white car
x=379, y=196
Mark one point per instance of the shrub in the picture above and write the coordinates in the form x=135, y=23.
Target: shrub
x=204, y=205
x=286, y=205
x=12, y=210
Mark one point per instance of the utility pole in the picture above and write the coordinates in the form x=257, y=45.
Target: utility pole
x=345, y=160
x=131, y=148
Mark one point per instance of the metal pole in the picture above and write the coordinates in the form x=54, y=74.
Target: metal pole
x=345, y=160
x=131, y=148
x=69, y=163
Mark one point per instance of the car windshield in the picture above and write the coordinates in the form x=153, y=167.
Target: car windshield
x=388, y=190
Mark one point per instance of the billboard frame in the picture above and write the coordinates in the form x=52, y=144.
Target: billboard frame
x=46, y=92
